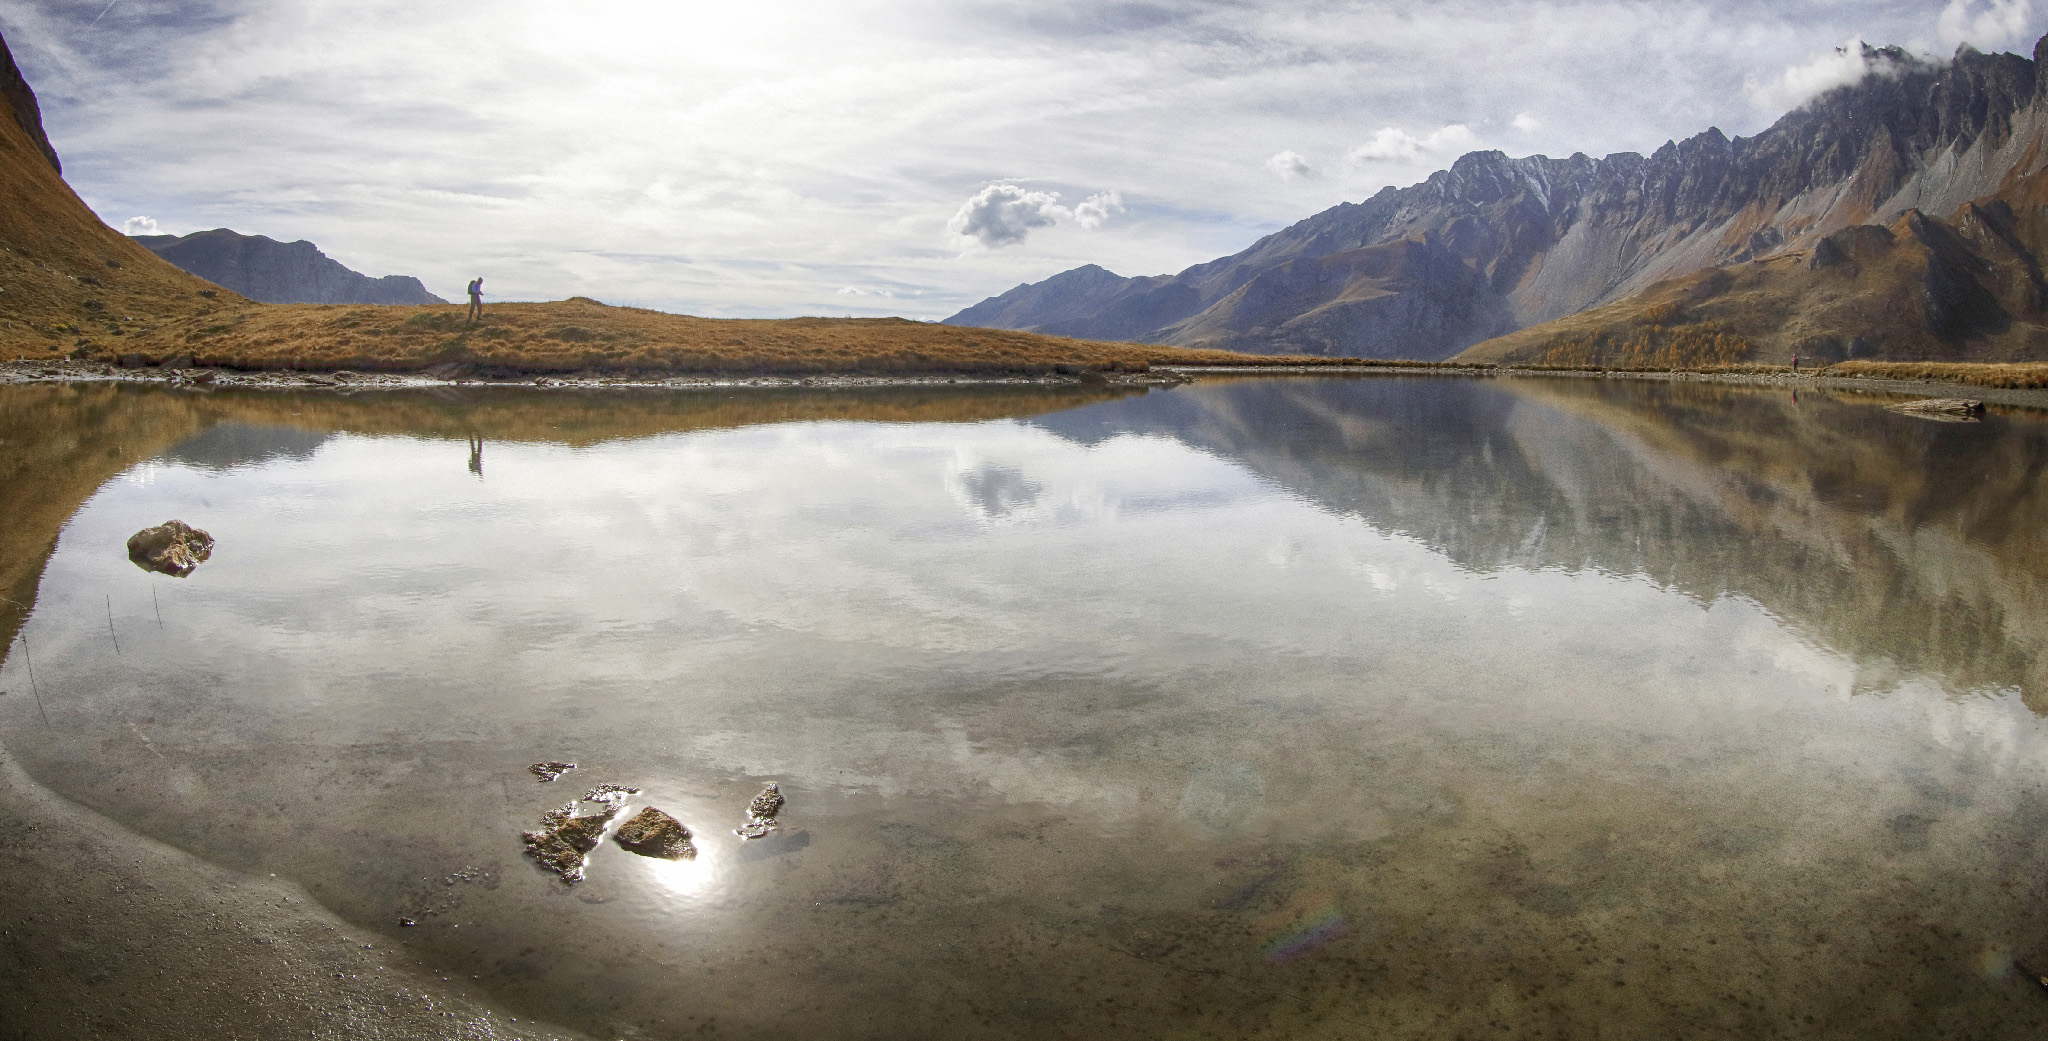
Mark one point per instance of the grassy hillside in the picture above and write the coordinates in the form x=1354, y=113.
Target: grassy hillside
x=1968, y=288
x=71, y=286
x=583, y=335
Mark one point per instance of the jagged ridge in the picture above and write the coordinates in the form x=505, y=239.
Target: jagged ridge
x=1496, y=244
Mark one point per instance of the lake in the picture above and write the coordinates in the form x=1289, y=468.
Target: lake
x=1261, y=708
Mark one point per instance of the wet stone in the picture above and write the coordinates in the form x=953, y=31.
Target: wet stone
x=549, y=771
x=652, y=833
x=609, y=794
x=564, y=840
x=172, y=548
x=761, y=814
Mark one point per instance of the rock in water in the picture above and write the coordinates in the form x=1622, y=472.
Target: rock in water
x=652, y=833
x=565, y=840
x=173, y=548
x=1952, y=409
x=609, y=794
x=549, y=771
x=761, y=814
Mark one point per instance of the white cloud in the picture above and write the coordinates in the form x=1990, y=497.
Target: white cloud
x=864, y=291
x=1098, y=208
x=1394, y=145
x=1527, y=122
x=1004, y=214
x=1290, y=165
x=139, y=226
x=1986, y=24
x=750, y=160
x=1844, y=65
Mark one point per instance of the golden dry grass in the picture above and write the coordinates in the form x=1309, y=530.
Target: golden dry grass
x=2016, y=375
x=581, y=335
x=71, y=286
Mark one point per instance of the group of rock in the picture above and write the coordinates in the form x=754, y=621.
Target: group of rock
x=565, y=839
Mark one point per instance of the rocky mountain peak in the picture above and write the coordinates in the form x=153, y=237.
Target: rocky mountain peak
x=1516, y=242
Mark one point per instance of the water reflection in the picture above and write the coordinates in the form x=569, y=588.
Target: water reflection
x=1268, y=709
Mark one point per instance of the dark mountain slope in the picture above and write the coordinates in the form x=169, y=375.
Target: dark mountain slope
x=22, y=102
x=1501, y=244
x=67, y=281
x=274, y=272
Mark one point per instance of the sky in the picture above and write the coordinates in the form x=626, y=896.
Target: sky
x=877, y=157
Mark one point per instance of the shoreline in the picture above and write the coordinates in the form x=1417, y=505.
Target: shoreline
x=2008, y=396
x=20, y=372
x=116, y=934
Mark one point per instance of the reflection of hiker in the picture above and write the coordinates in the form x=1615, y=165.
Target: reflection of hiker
x=476, y=457
x=476, y=299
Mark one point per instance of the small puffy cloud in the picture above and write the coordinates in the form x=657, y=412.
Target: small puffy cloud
x=1986, y=24
x=1394, y=145
x=1849, y=63
x=1003, y=214
x=864, y=291
x=1526, y=122
x=1290, y=165
x=139, y=226
x=1098, y=208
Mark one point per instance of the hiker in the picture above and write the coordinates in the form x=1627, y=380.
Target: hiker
x=476, y=299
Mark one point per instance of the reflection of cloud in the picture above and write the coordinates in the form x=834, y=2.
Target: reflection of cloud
x=998, y=491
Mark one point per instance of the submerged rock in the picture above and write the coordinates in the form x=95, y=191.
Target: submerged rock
x=565, y=840
x=549, y=771
x=173, y=548
x=609, y=794
x=652, y=833
x=1951, y=409
x=761, y=814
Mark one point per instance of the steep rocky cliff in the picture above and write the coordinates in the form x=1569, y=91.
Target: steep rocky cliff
x=21, y=101
x=1495, y=244
x=69, y=283
x=274, y=272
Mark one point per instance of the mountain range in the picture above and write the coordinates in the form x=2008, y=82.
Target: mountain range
x=273, y=272
x=1897, y=217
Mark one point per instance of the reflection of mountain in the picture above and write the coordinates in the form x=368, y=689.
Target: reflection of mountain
x=1899, y=542
x=230, y=445
x=61, y=443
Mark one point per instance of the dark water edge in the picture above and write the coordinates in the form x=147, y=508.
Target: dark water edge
x=1419, y=826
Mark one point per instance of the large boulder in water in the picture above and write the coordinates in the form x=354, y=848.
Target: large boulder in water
x=173, y=548
x=652, y=833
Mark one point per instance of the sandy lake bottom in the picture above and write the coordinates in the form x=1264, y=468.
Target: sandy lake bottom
x=1262, y=708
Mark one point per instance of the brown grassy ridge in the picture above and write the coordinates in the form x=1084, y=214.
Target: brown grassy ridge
x=72, y=287
x=2014, y=375
x=581, y=335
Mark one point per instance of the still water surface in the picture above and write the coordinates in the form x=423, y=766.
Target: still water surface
x=1276, y=708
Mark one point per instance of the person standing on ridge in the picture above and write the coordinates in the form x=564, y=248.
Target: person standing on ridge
x=476, y=299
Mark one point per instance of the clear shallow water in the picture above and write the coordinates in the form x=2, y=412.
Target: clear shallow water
x=1285, y=708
